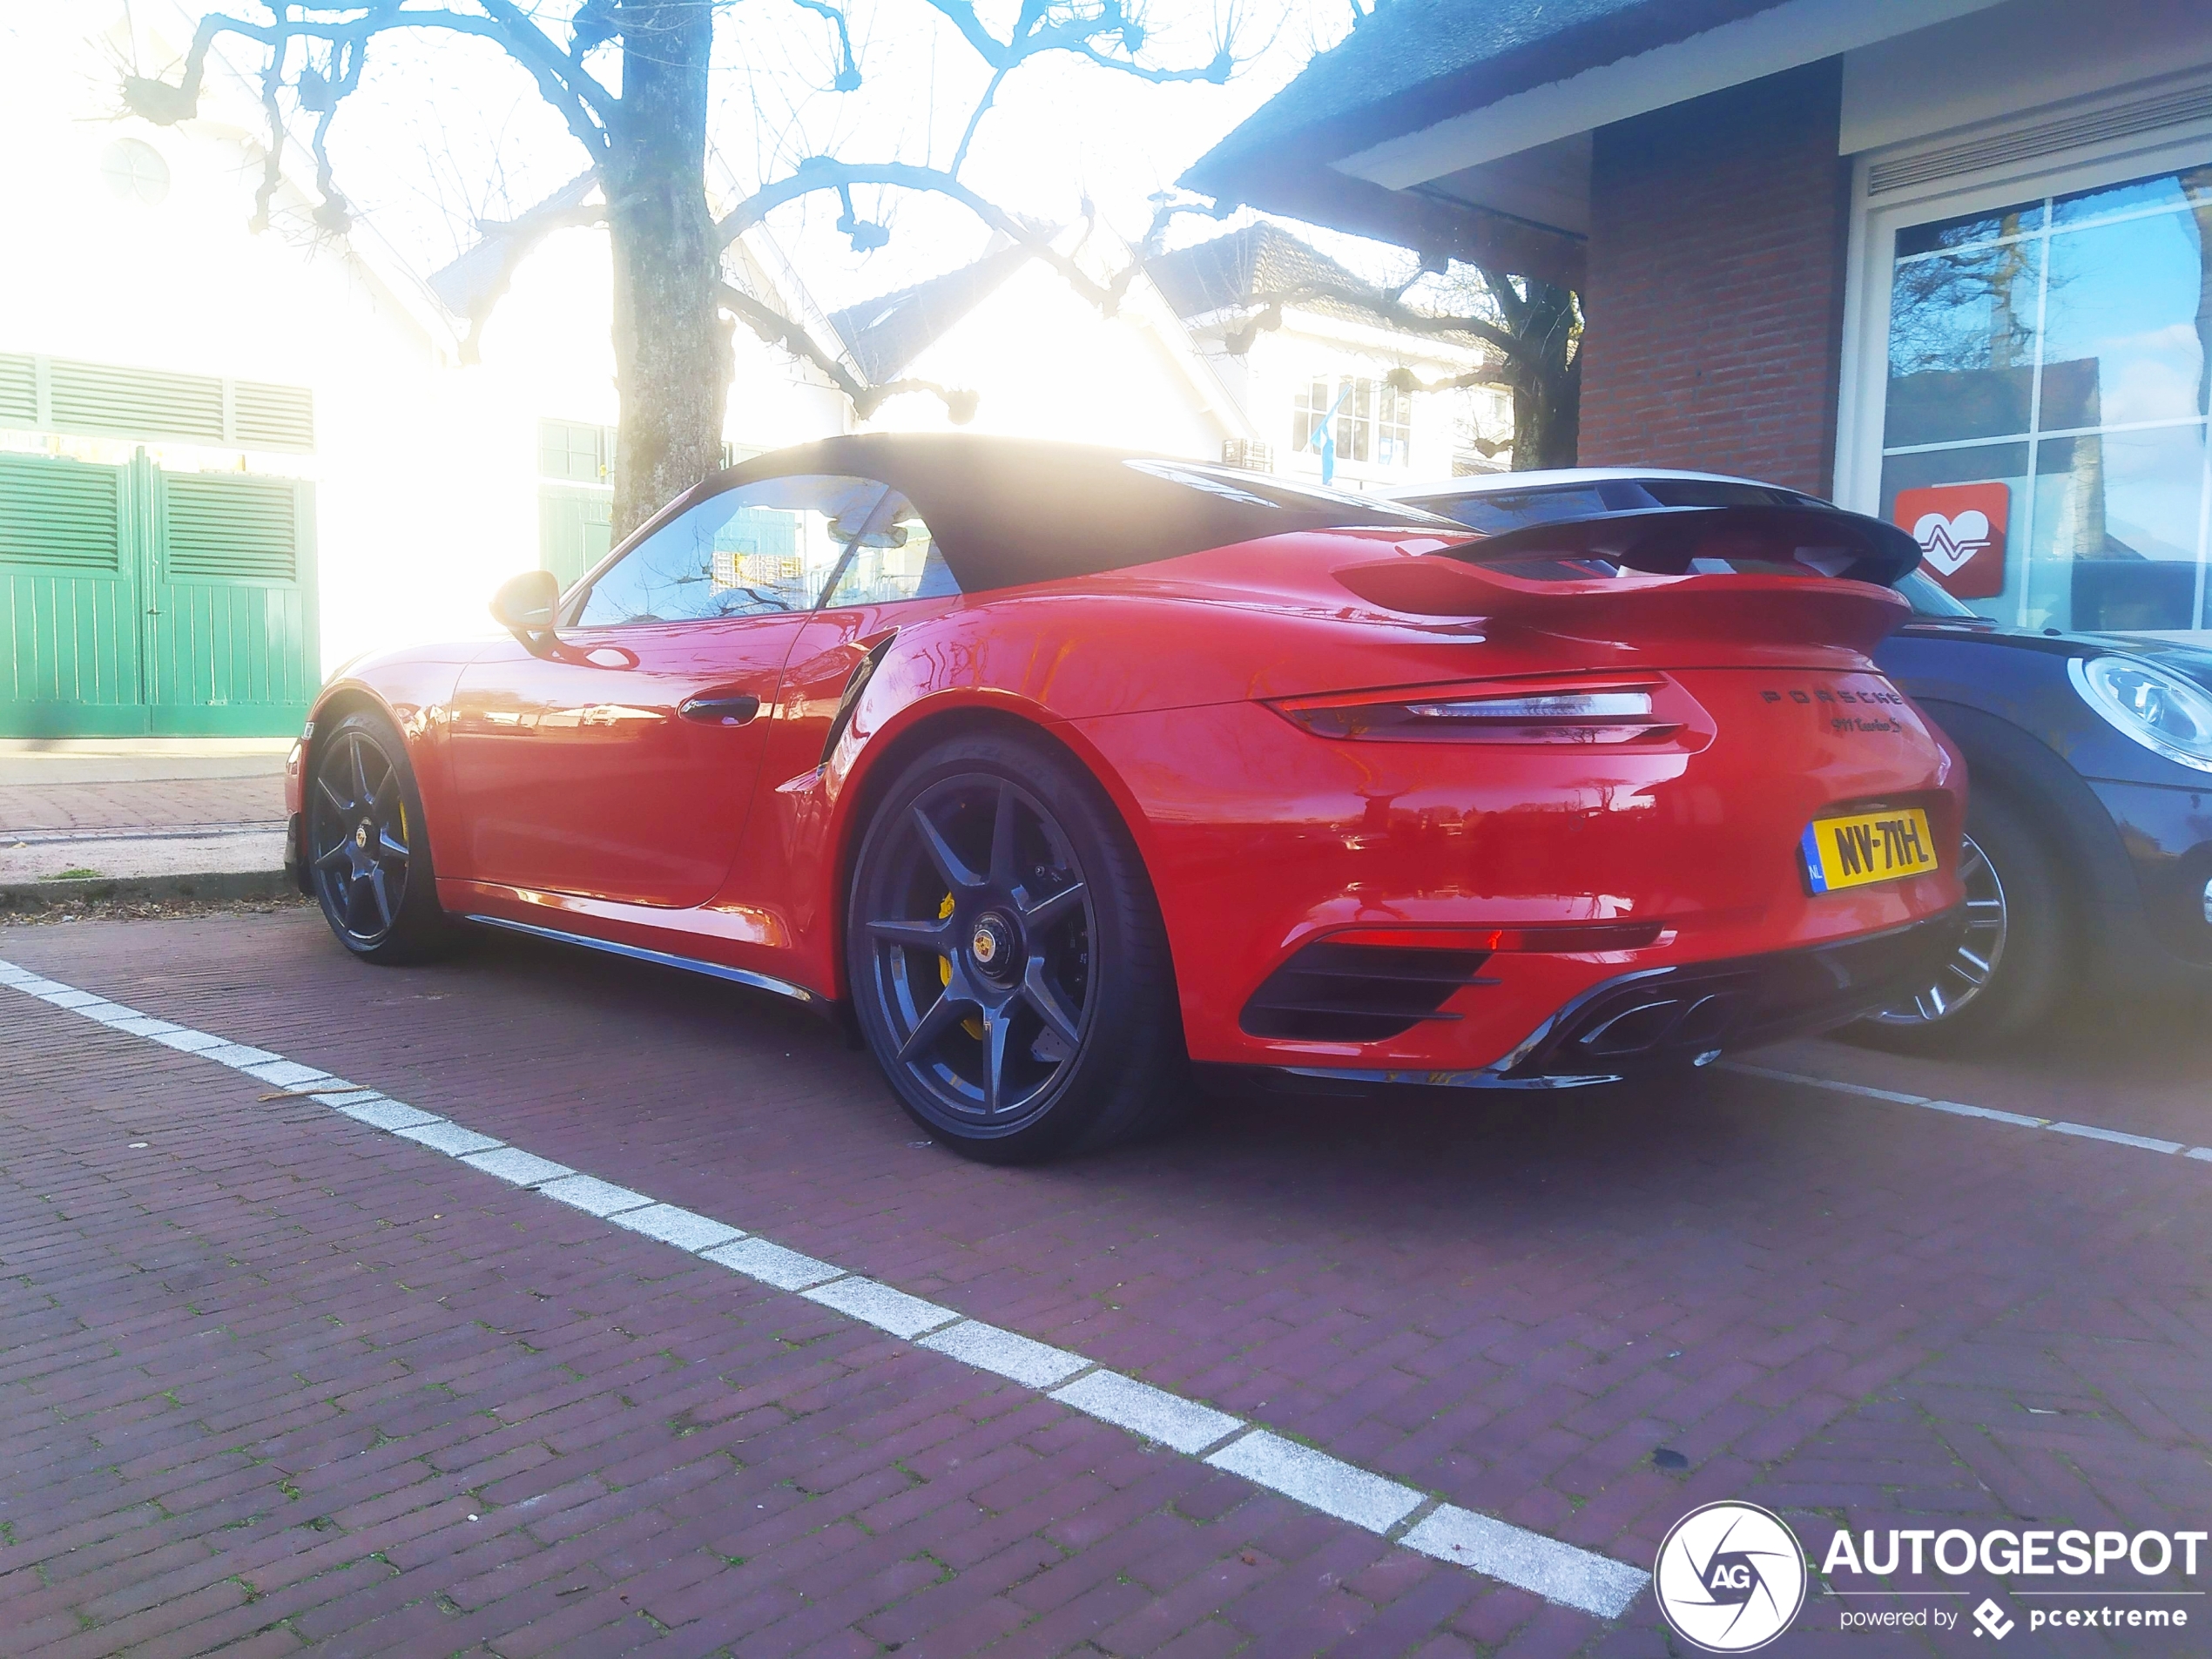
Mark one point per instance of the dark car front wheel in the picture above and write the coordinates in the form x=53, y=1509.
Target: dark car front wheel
x=2005, y=975
x=1009, y=966
x=368, y=859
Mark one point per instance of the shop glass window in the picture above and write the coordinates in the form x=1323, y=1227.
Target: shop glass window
x=2059, y=346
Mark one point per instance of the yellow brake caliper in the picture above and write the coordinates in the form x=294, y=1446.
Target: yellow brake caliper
x=972, y=1027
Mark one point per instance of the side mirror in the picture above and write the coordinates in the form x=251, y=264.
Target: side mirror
x=525, y=605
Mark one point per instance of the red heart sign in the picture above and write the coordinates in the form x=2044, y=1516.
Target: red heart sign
x=1961, y=532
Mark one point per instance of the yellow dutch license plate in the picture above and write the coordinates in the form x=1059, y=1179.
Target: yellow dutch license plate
x=1864, y=847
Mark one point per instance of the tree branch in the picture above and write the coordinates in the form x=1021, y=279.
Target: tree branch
x=579, y=98
x=776, y=329
x=1488, y=375
x=848, y=69
x=272, y=159
x=522, y=238
x=825, y=172
x=1037, y=31
x=1384, y=304
x=976, y=120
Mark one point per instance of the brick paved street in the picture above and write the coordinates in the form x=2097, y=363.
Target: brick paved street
x=274, y=1378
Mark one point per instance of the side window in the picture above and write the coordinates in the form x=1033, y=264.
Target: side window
x=762, y=549
x=898, y=559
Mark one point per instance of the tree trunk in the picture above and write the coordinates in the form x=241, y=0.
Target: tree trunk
x=671, y=347
x=1548, y=390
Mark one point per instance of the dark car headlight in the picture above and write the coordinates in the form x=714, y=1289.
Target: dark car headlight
x=2156, y=707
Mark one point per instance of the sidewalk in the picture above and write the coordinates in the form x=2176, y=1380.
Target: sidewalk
x=140, y=807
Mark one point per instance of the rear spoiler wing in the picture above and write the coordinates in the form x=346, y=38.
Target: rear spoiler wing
x=1662, y=541
x=1476, y=578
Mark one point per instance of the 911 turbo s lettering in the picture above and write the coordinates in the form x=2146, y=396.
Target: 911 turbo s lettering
x=1057, y=769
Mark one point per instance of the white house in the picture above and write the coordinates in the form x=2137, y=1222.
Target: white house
x=1325, y=366
x=1042, y=359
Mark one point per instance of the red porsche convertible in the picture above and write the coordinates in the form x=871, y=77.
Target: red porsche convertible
x=1056, y=768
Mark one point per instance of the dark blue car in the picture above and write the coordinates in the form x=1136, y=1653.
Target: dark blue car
x=2088, y=856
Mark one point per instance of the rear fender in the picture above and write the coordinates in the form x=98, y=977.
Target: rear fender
x=890, y=725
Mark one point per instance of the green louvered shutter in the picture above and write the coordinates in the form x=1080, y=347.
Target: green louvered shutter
x=224, y=526
x=69, y=535
x=134, y=403
x=18, y=390
x=234, y=645
x=264, y=416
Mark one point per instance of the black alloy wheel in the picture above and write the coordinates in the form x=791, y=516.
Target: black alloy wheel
x=1980, y=951
x=367, y=856
x=1007, y=965
x=2011, y=965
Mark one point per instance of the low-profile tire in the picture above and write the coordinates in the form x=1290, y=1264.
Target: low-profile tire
x=368, y=852
x=1008, y=968
x=2006, y=975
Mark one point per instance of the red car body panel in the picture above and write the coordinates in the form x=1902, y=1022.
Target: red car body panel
x=565, y=793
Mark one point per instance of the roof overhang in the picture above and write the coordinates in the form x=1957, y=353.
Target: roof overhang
x=1490, y=163
x=1794, y=33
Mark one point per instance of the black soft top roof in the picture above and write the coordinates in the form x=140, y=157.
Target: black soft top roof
x=1004, y=511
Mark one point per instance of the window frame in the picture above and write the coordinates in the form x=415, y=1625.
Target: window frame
x=1863, y=384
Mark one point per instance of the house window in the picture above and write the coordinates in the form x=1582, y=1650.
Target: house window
x=2047, y=382
x=1355, y=420
x=1312, y=408
x=1394, y=426
x=1354, y=401
x=573, y=450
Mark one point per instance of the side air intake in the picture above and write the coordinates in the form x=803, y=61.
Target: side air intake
x=1332, y=993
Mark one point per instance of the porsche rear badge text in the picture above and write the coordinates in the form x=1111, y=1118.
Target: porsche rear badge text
x=1838, y=722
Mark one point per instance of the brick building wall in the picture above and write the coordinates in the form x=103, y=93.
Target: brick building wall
x=1715, y=297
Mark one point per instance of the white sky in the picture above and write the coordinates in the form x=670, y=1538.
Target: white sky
x=444, y=129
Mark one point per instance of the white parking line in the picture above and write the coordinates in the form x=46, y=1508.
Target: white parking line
x=1560, y=1572
x=1960, y=1108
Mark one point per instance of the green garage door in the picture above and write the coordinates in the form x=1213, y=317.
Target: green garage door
x=135, y=602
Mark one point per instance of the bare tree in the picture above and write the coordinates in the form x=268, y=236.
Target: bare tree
x=1533, y=328
x=630, y=80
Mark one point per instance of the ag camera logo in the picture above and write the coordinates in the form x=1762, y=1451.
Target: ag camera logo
x=1729, y=1577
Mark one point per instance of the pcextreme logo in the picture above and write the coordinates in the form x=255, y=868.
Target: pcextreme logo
x=1729, y=1577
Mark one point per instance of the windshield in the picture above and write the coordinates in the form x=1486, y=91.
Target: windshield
x=1929, y=598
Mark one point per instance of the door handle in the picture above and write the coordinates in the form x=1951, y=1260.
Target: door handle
x=720, y=710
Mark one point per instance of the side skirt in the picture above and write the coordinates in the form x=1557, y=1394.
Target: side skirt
x=663, y=959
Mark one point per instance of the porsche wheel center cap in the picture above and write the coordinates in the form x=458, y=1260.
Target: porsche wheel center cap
x=360, y=836
x=991, y=943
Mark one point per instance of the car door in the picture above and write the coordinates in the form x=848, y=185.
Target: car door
x=618, y=762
